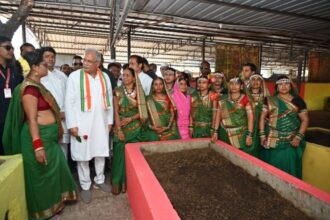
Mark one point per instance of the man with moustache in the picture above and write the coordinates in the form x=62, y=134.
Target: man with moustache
x=89, y=116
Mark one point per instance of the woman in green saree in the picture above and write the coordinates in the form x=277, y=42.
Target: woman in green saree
x=236, y=117
x=256, y=91
x=33, y=128
x=284, y=142
x=203, y=110
x=130, y=116
x=169, y=80
x=162, y=113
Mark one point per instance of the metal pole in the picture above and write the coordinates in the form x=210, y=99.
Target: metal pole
x=299, y=75
x=260, y=57
x=112, y=27
x=127, y=6
x=128, y=43
x=305, y=65
x=203, y=49
x=113, y=53
x=24, y=32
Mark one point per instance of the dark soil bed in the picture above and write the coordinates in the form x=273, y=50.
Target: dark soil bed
x=202, y=184
x=318, y=137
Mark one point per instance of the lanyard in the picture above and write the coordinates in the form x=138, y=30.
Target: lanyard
x=8, y=77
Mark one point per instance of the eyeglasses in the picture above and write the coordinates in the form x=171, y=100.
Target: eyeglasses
x=77, y=64
x=8, y=47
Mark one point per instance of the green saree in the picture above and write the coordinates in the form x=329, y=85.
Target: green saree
x=256, y=101
x=234, y=121
x=202, y=115
x=160, y=116
x=283, y=125
x=133, y=131
x=256, y=147
x=47, y=186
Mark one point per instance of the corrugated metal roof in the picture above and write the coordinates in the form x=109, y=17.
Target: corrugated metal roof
x=171, y=31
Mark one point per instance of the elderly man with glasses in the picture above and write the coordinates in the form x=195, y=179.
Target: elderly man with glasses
x=10, y=77
x=89, y=117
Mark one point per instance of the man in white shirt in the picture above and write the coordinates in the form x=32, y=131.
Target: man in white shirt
x=55, y=82
x=136, y=63
x=89, y=116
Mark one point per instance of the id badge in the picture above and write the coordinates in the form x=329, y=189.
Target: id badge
x=7, y=92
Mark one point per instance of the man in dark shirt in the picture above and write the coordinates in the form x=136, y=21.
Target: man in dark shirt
x=147, y=70
x=153, y=67
x=115, y=69
x=205, y=68
x=10, y=77
x=25, y=48
x=77, y=63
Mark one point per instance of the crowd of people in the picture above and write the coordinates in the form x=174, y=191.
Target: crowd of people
x=44, y=109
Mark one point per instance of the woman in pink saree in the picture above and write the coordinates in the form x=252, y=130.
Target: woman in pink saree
x=182, y=101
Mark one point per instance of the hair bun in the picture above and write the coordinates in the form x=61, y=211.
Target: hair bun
x=34, y=58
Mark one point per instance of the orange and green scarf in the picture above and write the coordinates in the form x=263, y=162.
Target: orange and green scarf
x=85, y=91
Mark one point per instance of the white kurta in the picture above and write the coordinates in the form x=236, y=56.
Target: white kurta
x=146, y=82
x=55, y=82
x=93, y=123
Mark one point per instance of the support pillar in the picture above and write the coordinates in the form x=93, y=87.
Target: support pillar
x=128, y=43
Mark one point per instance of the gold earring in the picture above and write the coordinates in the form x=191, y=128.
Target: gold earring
x=36, y=74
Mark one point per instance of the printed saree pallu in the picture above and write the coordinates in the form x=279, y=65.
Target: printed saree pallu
x=202, y=115
x=160, y=116
x=284, y=123
x=233, y=125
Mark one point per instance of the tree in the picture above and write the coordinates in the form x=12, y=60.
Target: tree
x=8, y=29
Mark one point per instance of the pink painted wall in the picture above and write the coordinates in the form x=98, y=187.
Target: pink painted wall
x=147, y=198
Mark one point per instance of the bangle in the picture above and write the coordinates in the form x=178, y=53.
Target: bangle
x=249, y=133
x=213, y=130
x=39, y=149
x=37, y=143
x=190, y=126
x=300, y=135
x=262, y=132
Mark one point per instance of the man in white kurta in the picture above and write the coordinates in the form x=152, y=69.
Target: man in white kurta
x=95, y=123
x=135, y=62
x=55, y=82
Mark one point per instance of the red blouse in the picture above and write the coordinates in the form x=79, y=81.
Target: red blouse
x=42, y=104
x=245, y=101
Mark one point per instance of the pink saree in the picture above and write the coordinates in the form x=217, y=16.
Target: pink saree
x=182, y=103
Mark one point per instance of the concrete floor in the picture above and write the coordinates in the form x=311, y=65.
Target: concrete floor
x=104, y=206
